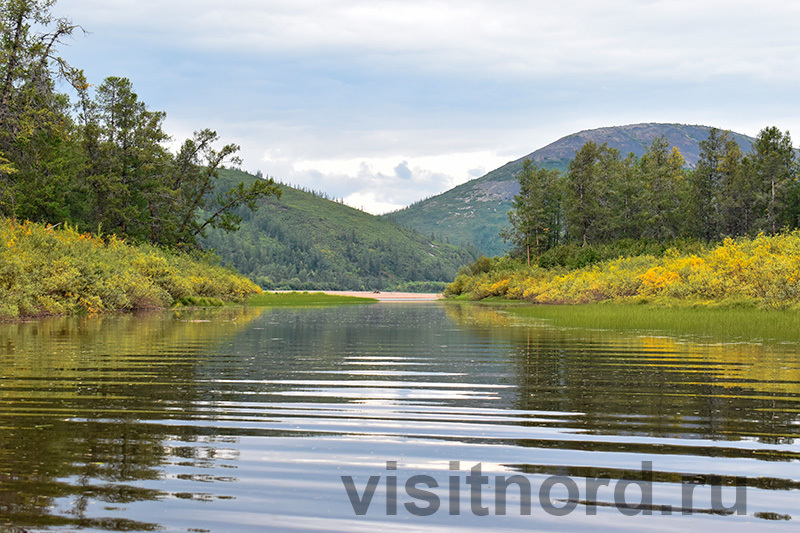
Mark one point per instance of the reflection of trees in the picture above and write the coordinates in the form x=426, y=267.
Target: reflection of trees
x=648, y=386
x=73, y=393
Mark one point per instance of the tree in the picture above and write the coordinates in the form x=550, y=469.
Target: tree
x=580, y=202
x=196, y=203
x=705, y=183
x=664, y=181
x=34, y=119
x=625, y=190
x=737, y=192
x=127, y=162
x=773, y=163
x=137, y=188
x=534, y=213
x=591, y=197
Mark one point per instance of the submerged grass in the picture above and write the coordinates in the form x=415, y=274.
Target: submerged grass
x=304, y=299
x=730, y=324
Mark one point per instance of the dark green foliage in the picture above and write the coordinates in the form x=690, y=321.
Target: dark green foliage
x=706, y=183
x=595, y=193
x=35, y=128
x=305, y=242
x=481, y=265
x=535, y=212
x=108, y=169
x=775, y=172
x=475, y=212
x=135, y=187
x=573, y=255
x=656, y=199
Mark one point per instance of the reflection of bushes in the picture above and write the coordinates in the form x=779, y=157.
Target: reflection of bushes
x=90, y=386
x=763, y=271
x=46, y=271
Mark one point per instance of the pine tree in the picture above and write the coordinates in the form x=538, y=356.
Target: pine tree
x=534, y=212
x=774, y=165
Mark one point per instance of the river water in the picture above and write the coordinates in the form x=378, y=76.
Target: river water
x=391, y=417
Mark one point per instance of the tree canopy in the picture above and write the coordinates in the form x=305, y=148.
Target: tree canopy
x=100, y=162
x=603, y=198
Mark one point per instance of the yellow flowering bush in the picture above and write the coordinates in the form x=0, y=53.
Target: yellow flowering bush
x=764, y=271
x=48, y=270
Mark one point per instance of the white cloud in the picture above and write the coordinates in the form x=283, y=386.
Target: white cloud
x=654, y=38
x=384, y=103
x=379, y=185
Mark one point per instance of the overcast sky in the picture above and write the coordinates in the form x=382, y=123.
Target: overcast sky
x=383, y=103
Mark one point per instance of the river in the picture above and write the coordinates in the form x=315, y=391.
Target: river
x=427, y=416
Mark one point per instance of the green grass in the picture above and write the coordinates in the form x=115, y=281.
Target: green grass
x=304, y=299
x=724, y=324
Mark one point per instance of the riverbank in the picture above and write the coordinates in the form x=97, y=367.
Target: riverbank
x=60, y=271
x=390, y=296
x=305, y=299
x=763, y=272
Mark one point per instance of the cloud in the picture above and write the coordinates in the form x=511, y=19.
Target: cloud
x=402, y=171
x=662, y=38
x=378, y=185
x=429, y=94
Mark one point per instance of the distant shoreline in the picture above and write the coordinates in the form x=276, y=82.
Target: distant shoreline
x=387, y=296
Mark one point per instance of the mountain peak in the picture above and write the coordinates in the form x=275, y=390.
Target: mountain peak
x=476, y=211
x=631, y=138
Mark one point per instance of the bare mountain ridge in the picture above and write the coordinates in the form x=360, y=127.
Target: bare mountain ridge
x=476, y=211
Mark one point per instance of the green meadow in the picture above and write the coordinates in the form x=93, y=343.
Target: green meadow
x=304, y=299
x=721, y=324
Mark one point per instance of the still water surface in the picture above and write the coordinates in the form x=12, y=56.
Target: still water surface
x=259, y=420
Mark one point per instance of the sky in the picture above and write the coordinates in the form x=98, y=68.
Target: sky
x=383, y=103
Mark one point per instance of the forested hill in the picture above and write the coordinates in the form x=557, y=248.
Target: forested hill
x=305, y=242
x=476, y=211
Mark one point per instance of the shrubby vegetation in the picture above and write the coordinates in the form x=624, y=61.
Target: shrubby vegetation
x=54, y=271
x=649, y=229
x=760, y=272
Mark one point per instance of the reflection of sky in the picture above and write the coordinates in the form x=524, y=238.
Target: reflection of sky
x=386, y=103
x=253, y=427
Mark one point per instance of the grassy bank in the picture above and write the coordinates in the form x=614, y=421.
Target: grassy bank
x=303, y=299
x=45, y=271
x=716, y=323
x=762, y=272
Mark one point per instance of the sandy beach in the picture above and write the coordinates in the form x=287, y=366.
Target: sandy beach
x=390, y=296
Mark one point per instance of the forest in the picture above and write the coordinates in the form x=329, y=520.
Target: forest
x=304, y=241
x=97, y=159
x=604, y=198
x=650, y=229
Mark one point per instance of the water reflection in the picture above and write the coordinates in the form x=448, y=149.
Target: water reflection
x=245, y=419
x=73, y=394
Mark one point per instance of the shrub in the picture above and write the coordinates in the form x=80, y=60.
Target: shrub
x=62, y=271
x=764, y=270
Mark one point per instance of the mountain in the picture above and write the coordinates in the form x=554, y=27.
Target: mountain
x=476, y=211
x=304, y=241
